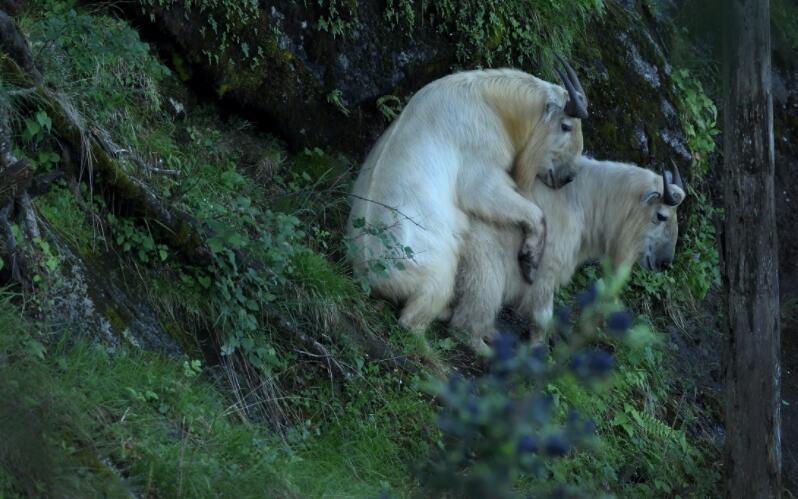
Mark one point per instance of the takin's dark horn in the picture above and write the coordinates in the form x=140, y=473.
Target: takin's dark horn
x=677, y=179
x=576, y=107
x=667, y=194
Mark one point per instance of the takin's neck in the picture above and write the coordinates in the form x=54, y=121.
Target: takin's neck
x=613, y=219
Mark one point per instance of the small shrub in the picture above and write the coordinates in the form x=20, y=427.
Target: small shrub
x=507, y=423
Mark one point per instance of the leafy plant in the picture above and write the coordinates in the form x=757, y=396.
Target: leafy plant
x=518, y=33
x=224, y=21
x=392, y=253
x=334, y=20
x=699, y=119
x=389, y=106
x=335, y=97
x=133, y=239
x=99, y=59
x=36, y=131
x=508, y=422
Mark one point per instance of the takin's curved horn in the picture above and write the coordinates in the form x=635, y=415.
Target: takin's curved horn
x=677, y=179
x=576, y=107
x=667, y=195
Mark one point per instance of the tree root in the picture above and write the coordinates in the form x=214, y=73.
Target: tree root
x=10, y=241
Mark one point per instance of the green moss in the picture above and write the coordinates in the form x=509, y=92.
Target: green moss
x=183, y=70
x=498, y=32
x=625, y=96
x=114, y=319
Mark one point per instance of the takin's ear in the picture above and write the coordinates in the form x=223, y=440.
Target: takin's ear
x=650, y=197
x=552, y=109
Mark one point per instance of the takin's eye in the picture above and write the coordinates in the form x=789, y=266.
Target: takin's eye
x=566, y=127
x=662, y=218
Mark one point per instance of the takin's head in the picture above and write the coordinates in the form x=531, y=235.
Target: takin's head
x=559, y=135
x=631, y=213
x=659, y=241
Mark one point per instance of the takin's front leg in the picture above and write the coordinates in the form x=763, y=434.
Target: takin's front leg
x=489, y=193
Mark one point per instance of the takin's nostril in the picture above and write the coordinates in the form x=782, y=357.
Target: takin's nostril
x=664, y=264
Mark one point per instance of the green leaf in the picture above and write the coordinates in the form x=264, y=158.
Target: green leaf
x=215, y=245
x=52, y=263
x=32, y=129
x=44, y=120
x=204, y=281
x=35, y=349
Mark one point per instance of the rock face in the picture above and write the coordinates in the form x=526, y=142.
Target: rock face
x=84, y=301
x=633, y=113
x=278, y=69
x=308, y=86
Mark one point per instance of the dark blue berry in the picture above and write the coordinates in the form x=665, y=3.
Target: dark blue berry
x=504, y=347
x=557, y=445
x=620, y=322
x=587, y=297
x=527, y=444
x=563, y=317
x=577, y=362
x=600, y=362
x=591, y=363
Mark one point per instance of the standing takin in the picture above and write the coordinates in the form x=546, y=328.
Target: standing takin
x=463, y=148
x=611, y=210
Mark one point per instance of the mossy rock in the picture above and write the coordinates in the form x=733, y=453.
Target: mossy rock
x=633, y=104
x=277, y=67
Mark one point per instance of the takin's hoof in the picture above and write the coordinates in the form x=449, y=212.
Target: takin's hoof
x=481, y=347
x=529, y=258
x=529, y=265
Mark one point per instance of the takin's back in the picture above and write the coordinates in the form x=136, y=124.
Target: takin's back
x=612, y=210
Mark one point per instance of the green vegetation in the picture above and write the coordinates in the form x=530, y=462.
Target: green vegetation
x=517, y=33
x=224, y=21
x=784, y=21
x=249, y=409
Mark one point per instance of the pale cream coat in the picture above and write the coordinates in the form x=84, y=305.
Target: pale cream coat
x=461, y=149
x=611, y=210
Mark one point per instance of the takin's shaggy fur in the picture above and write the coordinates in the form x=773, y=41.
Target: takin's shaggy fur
x=461, y=149
x=611, y=210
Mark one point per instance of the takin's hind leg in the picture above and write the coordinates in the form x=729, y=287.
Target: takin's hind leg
x=480, y=285
x=429, y=302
